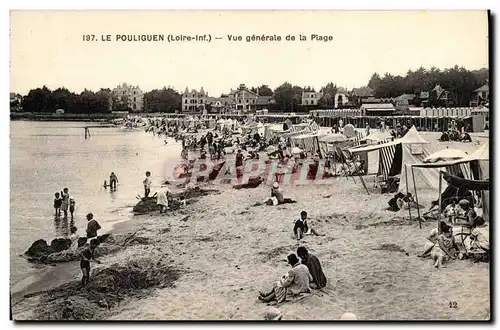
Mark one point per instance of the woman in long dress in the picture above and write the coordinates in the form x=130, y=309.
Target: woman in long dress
x=162, y=198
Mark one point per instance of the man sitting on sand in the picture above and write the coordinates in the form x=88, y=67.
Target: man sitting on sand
x=300, y=229
x=296, y=281
x=277, y=196
x=312, y=263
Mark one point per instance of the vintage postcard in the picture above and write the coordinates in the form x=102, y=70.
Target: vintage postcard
x=249, y=165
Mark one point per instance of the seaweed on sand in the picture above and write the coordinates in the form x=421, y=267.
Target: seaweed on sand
x=148, y=204
x=109, y=244
x=280, y=251
x=391, y=247
x=107, y=287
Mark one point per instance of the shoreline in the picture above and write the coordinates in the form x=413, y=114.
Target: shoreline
x=58, y=274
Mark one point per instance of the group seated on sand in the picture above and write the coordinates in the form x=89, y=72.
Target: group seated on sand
x=448, y=243
x=306, y=274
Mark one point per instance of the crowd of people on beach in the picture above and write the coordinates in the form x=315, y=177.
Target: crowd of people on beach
x=306, y=273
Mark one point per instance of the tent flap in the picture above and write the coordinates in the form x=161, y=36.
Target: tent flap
x=459, y=182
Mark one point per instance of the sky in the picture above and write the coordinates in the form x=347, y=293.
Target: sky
x=47, y=47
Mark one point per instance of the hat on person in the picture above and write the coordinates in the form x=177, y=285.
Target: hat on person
x=348, y=317
x=463, y=202
x=292, y=259
x=273, y=314
x=276, y=185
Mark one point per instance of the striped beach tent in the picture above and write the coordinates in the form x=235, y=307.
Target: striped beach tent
x=307, y=142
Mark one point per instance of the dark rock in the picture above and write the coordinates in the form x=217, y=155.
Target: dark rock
x=82, y=241
x=39, y=247
x=60, y=244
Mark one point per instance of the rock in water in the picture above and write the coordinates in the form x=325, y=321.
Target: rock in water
x=60, y=244
x=146, y=205
x=39, y=247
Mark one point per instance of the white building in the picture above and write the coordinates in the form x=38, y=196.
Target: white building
x=311, y=98
x=131, y=95
x=194, y=101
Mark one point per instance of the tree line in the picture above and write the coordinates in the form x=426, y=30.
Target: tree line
x=458, y=81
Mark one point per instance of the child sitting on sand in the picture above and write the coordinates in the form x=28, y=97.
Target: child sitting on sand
x=57, y=204
x=301, y=228
x=86, y=255
x=444, y=249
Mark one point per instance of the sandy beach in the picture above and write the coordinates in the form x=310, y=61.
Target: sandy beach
x=226, y=250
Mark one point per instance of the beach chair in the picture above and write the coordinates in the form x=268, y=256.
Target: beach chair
x=349, y=167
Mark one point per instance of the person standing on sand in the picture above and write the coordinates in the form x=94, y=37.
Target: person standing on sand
x=92, y=226
x=65, y=201
x=85, y=256
x=312, y=263
x=239, y=159
x=162, y=198
x=74, y=239
x=147, y=184
x=296, y=281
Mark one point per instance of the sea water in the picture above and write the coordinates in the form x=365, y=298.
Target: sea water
x=46, y=157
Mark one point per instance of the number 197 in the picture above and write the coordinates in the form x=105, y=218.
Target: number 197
x=88, y=37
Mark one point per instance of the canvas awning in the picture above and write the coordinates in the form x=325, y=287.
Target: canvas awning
x=374, y=147
x=445, y=155
x=459, y=182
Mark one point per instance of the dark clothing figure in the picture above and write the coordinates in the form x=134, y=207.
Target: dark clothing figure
x=113, y=180
x=316, y=271
x=393, y=202
x=302, y=225
x=239, y=159
x=92, y=228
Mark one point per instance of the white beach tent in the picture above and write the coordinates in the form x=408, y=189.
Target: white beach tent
x=272, y=130
x=427, y=175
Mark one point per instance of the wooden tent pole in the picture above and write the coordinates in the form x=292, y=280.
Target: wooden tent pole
x=439, y=206
x=416, y=198
x=406, y=179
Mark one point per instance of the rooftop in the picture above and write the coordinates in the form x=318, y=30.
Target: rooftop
x=484, y=88
x=379, y=106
